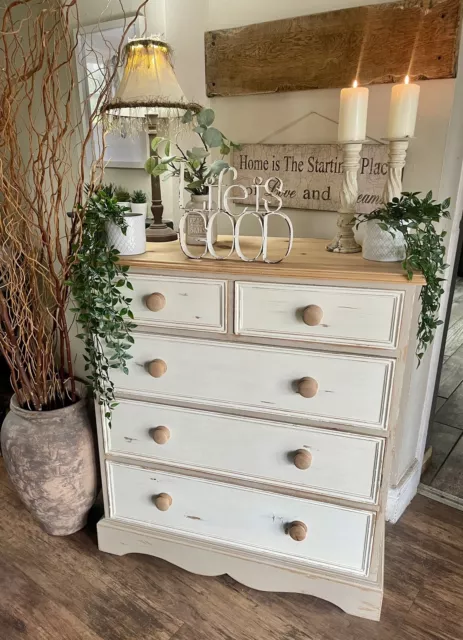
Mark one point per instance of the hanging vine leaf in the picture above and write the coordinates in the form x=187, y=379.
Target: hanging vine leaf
x=97, y=286
x=416, y=219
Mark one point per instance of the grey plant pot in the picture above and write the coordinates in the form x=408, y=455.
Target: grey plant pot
x=50, y=458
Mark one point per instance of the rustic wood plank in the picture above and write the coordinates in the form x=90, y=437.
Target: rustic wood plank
x=375, y=43
x=450, y=476
x=27, y=611
x=442, y=439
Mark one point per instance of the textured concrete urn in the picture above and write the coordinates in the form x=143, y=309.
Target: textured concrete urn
x=51, y=461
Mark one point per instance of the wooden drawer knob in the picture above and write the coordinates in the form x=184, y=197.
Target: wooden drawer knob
x=163, y=501
x=157, y=368
x=155, y=302
x=297, y=530
x=312, y=315
x=307, y=387
x=161, y=435
x=302, y=459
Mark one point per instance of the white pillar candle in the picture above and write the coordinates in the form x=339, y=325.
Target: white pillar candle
x=403, y=110
x=353, y=111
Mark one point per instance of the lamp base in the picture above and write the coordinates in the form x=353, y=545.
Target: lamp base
x=160, y=233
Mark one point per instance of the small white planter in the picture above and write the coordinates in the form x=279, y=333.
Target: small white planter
x=134, y=241
x=140, y=207
x=125, y=205
x=379, y=245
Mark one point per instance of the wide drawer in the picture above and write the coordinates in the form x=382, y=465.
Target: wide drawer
x=182, y=303
x=326, y=462
x=336, y=315
x=337, y=538
x=345, y=389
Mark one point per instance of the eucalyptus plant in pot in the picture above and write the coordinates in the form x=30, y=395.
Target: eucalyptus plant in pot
x=193, y=166
x=415, y=220
x=47, y=438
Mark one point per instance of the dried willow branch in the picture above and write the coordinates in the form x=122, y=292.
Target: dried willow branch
x=43, y=172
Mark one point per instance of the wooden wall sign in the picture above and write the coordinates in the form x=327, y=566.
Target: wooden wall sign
x=375, y=44
x=312, y=173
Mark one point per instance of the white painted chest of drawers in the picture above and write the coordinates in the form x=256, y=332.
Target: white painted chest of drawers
x=255, y=429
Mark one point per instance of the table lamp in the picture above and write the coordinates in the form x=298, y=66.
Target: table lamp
x=148, y=94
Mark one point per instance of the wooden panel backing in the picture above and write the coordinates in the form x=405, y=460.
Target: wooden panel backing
x=375, y=43
x=307, y=260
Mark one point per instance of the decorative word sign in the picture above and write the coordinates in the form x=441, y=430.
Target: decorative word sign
x=312, y=174
x=267, y=205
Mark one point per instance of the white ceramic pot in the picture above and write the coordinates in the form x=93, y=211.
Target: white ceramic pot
x=140, y=207
x=125, y=205
x=134, y=240
x=379, y=245
x=195, y=228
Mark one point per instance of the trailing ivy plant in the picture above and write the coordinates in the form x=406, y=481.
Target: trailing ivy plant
x=97, y=285
x=416, y=218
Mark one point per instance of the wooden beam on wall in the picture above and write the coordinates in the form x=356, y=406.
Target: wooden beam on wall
x=376, y=44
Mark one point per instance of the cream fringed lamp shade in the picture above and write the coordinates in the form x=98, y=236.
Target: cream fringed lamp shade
x=148, y=87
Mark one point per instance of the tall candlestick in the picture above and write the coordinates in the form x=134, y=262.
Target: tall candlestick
x=345, y=242
x=403, y=110
x=353, y=111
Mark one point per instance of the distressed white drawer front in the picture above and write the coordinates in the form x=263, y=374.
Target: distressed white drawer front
x=352, y=389
x=348, y=316
x=341, y=464
x=337, y=538
x=189, y=303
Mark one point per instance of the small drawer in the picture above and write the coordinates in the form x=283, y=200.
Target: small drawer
x=298, y=530
x=297, y=383
x=182, y=303
x=325, y=462
x=334, y=315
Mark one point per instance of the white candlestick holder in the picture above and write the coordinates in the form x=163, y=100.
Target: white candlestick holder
x=344, y=241
x=397, y=158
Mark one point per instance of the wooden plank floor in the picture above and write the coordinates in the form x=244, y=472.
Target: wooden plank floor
x=446, y=432
x=65, y=589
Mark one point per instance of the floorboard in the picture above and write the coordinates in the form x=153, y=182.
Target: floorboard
x=452, y=374
x=66, y=589
x=450, y=477
x=442, y=439
x=451, y=412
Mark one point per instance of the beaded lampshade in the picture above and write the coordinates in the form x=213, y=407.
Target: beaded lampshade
x=148, y=87
x=149, y=97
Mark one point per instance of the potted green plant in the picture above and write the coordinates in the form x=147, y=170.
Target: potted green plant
x=139, y=202
x=194, y=166
x=122, y=197
x=415, y=220
x=131, y=239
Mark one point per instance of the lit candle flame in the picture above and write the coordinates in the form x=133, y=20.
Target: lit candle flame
x=407, y=79
x=355, y=84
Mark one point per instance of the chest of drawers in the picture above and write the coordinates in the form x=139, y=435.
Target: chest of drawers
x=255, y=430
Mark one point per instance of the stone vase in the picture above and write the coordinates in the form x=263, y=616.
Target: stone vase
x=50, y=458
